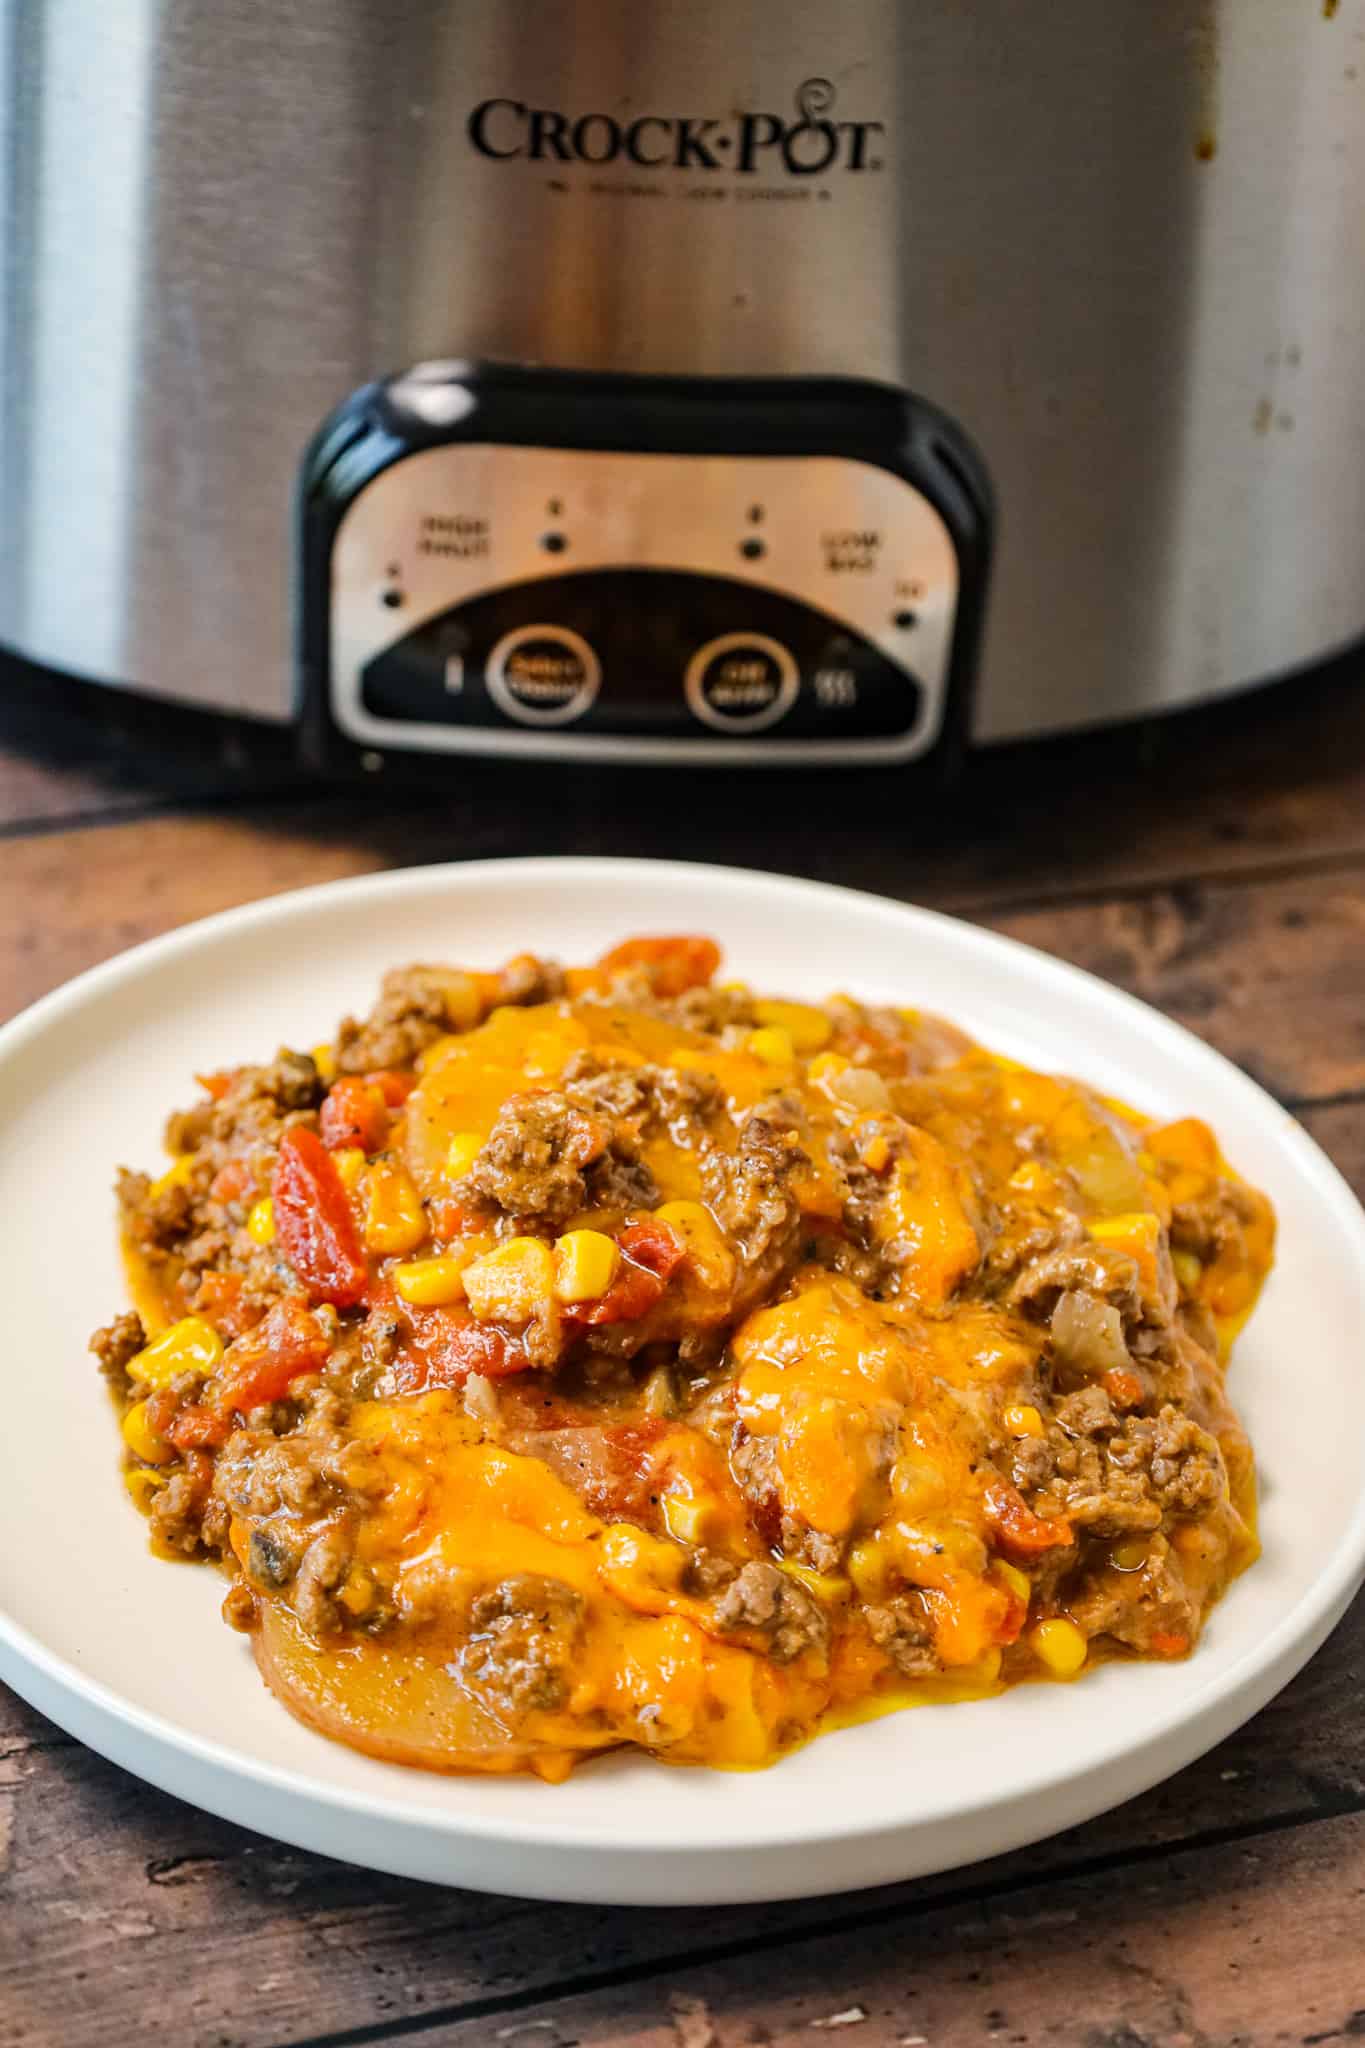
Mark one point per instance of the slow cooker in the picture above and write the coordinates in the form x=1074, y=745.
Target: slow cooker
x=734, y=380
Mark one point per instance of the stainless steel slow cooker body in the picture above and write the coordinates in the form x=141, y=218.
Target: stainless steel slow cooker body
x=1122, y=245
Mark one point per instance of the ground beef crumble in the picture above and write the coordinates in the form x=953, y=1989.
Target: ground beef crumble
x=1125, y=1436
x=524, y=1633
x=117, y=1345
x=1113, y=1474
x=769, y=1602
x=545, y=1159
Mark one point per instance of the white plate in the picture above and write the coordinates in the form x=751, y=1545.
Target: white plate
x=129, y=1653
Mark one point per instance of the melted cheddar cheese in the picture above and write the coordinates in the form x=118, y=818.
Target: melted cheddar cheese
x=561, y=1363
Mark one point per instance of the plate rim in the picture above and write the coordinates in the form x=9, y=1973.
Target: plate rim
x=1262, y=1668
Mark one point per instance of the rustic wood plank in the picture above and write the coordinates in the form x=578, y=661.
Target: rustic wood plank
x=1340, y=1130
x=1273, y=972
x=1276, y=777
x=210, y=1921
x=1251, y=1944
x=117, y=1904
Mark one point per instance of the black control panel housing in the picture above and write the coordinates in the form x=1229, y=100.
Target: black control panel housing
x=637, y=660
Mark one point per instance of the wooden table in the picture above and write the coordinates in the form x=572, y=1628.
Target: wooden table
x=1218, y=869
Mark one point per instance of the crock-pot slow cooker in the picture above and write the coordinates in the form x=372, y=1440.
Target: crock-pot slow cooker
x=623, y=377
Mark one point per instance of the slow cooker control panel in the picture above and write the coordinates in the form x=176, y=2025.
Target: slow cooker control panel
x=486, y=598
x=529, y=561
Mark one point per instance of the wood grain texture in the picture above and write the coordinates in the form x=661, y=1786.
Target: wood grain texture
x=1277, y=777
x=1246, y=1945
x=1340, y=1130
x=1271, y=971
x=177, y=1900
x=1227, y=1907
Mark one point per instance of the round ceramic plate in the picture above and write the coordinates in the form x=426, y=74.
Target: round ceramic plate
x=129, y=1653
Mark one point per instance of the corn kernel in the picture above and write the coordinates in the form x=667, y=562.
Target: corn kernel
x=826, y=1063
x=1138, y=1225
x=464, y=1149
x=827, y=1586
x=191, y=1345
x=585, y=1264
x=961, y=1544
x=350, y=1164
x=395, y=1220
x=175, y=1176
x=1023, y=1420
x=260, y=1221
x=808, y=1028
x=143, y=1485
x=1189, y=1270
x=357, y=1594
x=430, y=1283
x=1136, y=1232
x=142, y=1440
x=869, y=1567
x=984, y=1670
x=685, y=1519
x=1018, y=1583
x=771, y=1044
x=513, y=1282
x=1060, y=1645
x=467, y=996
x=325, y=1060
x=1030, y=1177
x=1131, y=1554
x=876, y=1153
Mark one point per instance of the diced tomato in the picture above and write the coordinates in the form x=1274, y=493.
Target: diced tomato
x=260, y=1366
x=654, y=1245
x=313, y=1221
x=866, y=1044
x=447, y=1344
x=197, y=1428
x=186, y=1424
x=449, y=1219
x=394, y=1086
x=1017, y=1528
x=1012, y=1618
x=651, y=1254
x=672, y=964
x=353, y=1113
x=1125, y=1389
x=231, y=1182
x=632, y=1294
x=216, y=1085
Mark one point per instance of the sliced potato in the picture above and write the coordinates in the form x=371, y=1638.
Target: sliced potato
x=387, y=1702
